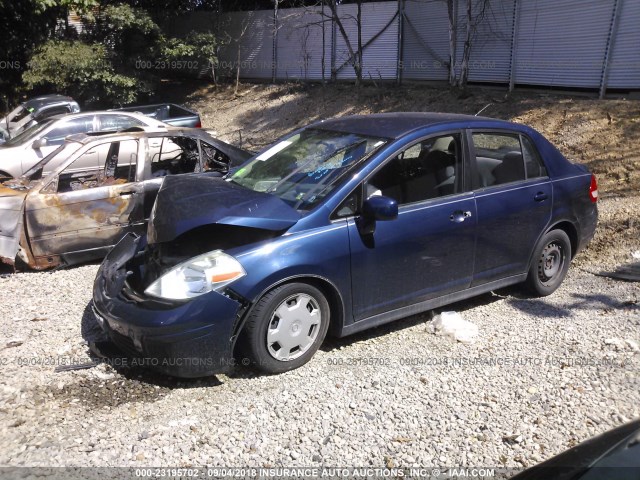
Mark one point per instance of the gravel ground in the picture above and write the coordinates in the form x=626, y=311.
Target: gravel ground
x=543, y=375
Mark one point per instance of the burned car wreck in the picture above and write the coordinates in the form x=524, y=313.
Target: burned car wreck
x=79, y=201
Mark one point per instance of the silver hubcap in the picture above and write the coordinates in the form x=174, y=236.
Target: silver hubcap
x=551, y=261
x=293, y=327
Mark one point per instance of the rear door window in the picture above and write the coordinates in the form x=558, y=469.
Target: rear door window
x=498, y=158
x=502, y=158
x=57, y=135
x=108, y=123
x=50, y=112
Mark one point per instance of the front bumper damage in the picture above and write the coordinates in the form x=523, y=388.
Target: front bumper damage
x=186, y=339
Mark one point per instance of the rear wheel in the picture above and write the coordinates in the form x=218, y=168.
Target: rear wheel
x=286, y=328
x=550, y=264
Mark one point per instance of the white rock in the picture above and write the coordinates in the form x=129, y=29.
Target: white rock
x=453, y=325
x=632, y=344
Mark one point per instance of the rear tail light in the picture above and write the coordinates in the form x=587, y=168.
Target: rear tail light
x=199, y=124
x=593, y=189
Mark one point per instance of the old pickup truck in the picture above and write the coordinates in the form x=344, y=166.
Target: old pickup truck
x=170, y=113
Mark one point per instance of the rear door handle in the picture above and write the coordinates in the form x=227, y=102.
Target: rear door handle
x=459, y=216
x=127, y=192
x=540, y=197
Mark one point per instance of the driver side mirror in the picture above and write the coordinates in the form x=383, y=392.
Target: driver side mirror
x=374, y=209
x=39, y=143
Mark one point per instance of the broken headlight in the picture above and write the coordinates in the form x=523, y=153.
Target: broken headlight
x=202, y=274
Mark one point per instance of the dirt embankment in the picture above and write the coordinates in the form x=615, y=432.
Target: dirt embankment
x=603, y=134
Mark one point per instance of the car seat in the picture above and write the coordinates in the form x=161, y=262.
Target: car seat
x=510, y=170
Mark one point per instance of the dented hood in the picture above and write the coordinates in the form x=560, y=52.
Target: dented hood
x=11, y=211
x=189, y=201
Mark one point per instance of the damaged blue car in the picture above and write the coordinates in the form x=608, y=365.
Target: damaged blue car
x=338, y=227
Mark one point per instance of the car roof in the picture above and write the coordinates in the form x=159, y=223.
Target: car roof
x=38, y=102
x=396, y=125
x=138, y=132
x=67, y=116
x=71, y=116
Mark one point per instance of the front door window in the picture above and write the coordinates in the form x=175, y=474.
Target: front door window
x=106, y=164
x=429, y=169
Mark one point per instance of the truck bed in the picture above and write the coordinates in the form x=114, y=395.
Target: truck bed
x=176, y=115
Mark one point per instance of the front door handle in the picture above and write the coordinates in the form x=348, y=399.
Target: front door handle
x=127, y=192
x=459, y=216
x=540, y=197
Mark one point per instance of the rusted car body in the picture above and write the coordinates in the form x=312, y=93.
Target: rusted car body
x=99, y=187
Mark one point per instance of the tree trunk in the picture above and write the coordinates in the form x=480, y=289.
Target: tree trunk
x=466, y=52
x=237, y=72
x=322, y=59
x=452, y=41
x=357, y=66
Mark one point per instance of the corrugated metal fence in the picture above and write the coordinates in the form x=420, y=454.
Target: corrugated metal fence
x=591, y=44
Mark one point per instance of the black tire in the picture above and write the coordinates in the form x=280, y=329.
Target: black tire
x=294, y=299
x=550, y=263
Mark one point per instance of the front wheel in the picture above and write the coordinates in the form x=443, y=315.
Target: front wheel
x=550, y=263
x=286, y=328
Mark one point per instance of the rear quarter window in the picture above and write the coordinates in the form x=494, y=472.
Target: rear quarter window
x=533, y=163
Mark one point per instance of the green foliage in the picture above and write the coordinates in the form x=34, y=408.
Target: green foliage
x=41, y=6
x=197, y=49
x=113, y=60
x=205, y=45
x=129, y=33
x=25, y=24
x=81, y=70
x=116, y=19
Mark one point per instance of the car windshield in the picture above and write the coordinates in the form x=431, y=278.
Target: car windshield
x=305, y=168
x=28, y=134
x=51, y=161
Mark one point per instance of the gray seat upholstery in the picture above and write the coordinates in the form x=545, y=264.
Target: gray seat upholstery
x=510, y=170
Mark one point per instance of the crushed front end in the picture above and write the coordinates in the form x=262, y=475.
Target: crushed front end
x=11, y=223
x=188, y=339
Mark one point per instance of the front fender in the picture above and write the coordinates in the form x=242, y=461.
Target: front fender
x=322, y=253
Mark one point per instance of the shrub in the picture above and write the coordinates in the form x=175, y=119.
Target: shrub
x=81, y=70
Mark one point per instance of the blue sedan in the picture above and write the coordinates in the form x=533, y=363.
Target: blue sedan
x=339, y=227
